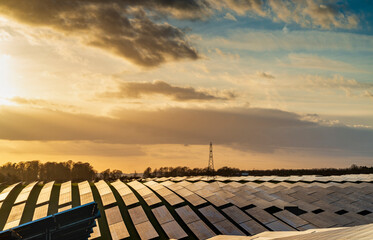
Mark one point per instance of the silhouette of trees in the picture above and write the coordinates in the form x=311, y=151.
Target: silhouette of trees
x=228, y=171
x=50, y=171
x=78, y=171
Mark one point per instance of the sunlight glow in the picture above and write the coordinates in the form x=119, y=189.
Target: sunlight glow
x=6, y=75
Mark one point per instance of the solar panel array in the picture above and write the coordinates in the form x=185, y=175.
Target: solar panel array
x=16, y=212
x=201, y=207
x=114, y=218
x=86, y=196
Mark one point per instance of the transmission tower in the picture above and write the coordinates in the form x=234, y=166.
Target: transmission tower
x=210, y=167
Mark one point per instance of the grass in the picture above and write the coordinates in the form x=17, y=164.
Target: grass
x=28, y=212
x=8, y=204
x=53, y=203
x=75, y=195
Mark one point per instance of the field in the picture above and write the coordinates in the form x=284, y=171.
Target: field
x=199, y=207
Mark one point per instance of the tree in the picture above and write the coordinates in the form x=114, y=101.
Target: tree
x=147, y=172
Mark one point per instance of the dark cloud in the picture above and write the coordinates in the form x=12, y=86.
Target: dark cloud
x=132, y=30
x=261, y=130
x=138, y=89
x=265, y=75
x=121, y=27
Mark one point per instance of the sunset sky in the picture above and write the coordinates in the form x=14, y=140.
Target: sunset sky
x=129, y=84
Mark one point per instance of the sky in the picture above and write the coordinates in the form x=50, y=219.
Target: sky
x=130, y=84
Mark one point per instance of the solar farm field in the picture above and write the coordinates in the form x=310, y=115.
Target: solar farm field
x=199, y=207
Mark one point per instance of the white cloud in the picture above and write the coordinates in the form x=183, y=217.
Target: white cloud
x=256, y=40
x=313, y=61
x=229, y=16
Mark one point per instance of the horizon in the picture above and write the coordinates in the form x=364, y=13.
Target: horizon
x=273, y=84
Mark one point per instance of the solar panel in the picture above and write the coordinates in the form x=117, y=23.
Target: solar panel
x=6, y=191
x=162, y=214
x=227, y=228
x=253, y=227
x=15, y=216
x=149, y=197
x=65, y=208
x=138, y=215
x=86, y=196
x=236, y=214
x=168, y=223
x=45, y=193
x=23, y=195
x=212, y=214
x=105, y=192
x=125, y=192
x=146, y=230
x=187, y=214
x=142, y=224
x=118, y=231
x=291, y=219
x=65, y=193
x=279, y=226
x=261, y=215
x=201, y=230
x=41, y=212
x=173, y=230
x=195, y=200
x=216, y=200
x=117, y=227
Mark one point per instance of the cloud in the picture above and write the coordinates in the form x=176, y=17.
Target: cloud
x=265, y=75
x=120, y=27
x=254, y=7
x=313, y=13
x=138, y=89
x=137, y=30
x=318, y=62
x=253, y=129
x=336, y=81
x=258, y=40
x=229, y=16
x=368, y=94
x=42, y=103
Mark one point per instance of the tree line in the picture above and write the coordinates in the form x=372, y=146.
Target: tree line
x=78, y=171
x=228, y=171
x=30, y=171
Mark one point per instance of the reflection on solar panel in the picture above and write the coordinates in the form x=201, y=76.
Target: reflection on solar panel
x=6, y=192
x=116, y=225
x=198, y=227
x=167, y=194
x=105, y=192
x=86, y=196
x=363, y=232
x=40, y=212
x=15, y=216
x=168, y=223
x=65, y=193
x=74, y=224
x=125, y=192
x=219, y=221
x=142, y=224
x=45, y=193
x=149, y=197
x=22, y=197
